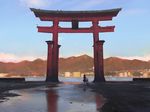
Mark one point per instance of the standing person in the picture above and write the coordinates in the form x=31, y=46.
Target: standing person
x=85, y=79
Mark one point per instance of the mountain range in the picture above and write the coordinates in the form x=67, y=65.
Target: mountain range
x=83, y=63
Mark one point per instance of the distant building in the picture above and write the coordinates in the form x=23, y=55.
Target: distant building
x=3, y=74
x=67, y=74
x=87, y=74
x=145, y=75
x=125, y=74
x=121, y=75
x=76, y=74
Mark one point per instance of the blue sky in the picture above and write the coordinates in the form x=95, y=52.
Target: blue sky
x=20, y=40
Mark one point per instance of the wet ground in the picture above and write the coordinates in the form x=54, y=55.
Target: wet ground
x=65, y=97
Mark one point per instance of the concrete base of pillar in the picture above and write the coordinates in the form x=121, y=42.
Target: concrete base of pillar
x=52, y=79
x=99, y=79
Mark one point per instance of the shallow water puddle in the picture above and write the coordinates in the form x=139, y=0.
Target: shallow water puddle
x=61, y=98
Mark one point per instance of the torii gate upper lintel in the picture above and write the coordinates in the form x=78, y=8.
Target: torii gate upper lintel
x=75, y=17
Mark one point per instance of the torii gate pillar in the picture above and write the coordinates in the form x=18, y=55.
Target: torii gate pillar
x=98, y=54
x=52, y=62
x=49, y=76
x=99, y=71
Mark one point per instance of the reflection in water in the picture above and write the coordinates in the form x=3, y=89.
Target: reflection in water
x=70, y=99
x=99, y=101
x=54, y=98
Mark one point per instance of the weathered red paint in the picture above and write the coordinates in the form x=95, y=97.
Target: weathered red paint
x=57, y=69
x=75, y=17
x=55, y=50
x=49, y=61
x=106, y=18
x=44, y=29
x=99, y=77
x=52, y=101
x=95, y=39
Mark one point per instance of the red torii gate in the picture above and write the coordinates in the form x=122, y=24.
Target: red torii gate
x=75, y=17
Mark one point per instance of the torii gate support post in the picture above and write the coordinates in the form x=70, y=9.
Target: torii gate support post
x=49, y=75
x=100, y=77
x=57, y=70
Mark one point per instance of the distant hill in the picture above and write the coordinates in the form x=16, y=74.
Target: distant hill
x=36, y=67
x=83, y=63
x=116, y=64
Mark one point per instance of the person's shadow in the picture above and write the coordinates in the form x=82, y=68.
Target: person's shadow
x=84, y=88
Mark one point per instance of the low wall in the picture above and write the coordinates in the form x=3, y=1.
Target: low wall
x=12, y=79
x=141, y=79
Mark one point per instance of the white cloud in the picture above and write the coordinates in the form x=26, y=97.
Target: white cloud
x=36, y=3
x=144, y=58
x=4, y=57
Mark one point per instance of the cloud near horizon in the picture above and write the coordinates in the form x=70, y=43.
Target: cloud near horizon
x=4, y=57
x=143, y=58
